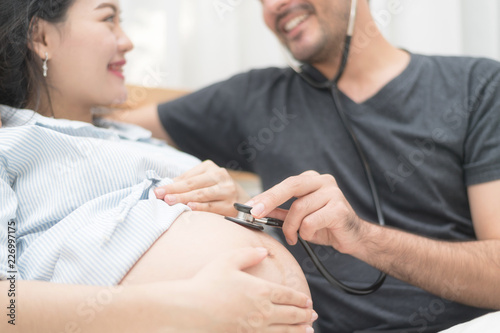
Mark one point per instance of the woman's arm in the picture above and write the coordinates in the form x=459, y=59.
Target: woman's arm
x=212, y=301
x=145, y=116
x=48, y=307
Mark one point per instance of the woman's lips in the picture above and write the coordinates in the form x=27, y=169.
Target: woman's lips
x=116, y=68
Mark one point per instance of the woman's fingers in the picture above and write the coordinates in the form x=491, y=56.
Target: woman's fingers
x=227, y=299
x=245, y=258
x=206, y=194
x=189, y=184
x=290, y=329
x=192, y=183
x=282, y=295
x=241, y=259
x=269, y=317
x=198, y=170
x=293, y=315
x=239, y=301
x=217, y=207
x=206, y=187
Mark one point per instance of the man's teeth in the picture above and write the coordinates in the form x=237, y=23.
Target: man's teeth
x=295, y=22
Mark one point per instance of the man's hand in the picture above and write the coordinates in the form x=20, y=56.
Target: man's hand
x=206, y=187
x=463, y=271
x=321, y=213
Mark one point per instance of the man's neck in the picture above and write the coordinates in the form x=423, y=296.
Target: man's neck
x=369, y=68
x=373, y=61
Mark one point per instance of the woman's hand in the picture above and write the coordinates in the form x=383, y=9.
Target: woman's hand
x=207, y=187
x=321, y=213
x=223, y=298
x=220, y=298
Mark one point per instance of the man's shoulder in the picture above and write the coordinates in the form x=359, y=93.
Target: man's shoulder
x=467, y=64
x=267, y=71
x=262, y=76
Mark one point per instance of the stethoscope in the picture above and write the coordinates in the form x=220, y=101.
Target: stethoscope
x=246, y=219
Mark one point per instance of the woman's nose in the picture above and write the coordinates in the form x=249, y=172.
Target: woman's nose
x=125, y=44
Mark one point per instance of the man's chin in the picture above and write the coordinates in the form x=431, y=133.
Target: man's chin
x=305, y=53
x=303, y=57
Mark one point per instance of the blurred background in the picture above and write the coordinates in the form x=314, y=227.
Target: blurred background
x=188, y=44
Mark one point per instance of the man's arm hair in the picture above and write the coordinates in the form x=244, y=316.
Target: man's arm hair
x=465, y=272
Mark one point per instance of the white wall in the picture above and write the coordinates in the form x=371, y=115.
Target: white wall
x=192, y=43
x=456, y=27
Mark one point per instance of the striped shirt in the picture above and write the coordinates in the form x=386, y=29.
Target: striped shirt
x=79, y=197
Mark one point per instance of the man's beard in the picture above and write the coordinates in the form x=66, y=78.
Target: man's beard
x=329, y=45
x=322, y=51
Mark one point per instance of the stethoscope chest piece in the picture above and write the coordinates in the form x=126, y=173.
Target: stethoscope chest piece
x=246, y=219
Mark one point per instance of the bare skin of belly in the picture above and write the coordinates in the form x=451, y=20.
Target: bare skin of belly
x=195, y=238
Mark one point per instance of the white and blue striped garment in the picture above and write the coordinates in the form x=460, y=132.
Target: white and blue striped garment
x=81, y=196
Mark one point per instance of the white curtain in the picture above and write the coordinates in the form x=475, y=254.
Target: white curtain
x=191, y=43
x=451, y=27
x=188, y=44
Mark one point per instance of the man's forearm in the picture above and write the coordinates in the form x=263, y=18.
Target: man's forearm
x=465, y=272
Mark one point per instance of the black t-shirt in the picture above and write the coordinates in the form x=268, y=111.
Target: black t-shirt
x=428, y=134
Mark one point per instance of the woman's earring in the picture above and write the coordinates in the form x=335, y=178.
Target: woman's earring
x=45, y=68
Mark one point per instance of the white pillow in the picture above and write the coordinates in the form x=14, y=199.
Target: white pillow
x=489, y=323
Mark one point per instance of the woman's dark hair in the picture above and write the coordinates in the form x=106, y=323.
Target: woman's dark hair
x=21, y=78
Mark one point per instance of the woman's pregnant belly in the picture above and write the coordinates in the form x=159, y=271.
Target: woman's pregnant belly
x=195, y=238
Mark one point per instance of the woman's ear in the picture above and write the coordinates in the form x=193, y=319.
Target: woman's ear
x=42, y=41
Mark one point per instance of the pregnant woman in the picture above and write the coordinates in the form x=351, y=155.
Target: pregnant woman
x=83, y=239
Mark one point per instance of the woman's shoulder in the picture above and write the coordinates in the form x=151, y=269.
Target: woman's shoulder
x=27, y=121
x=21, y=128
x=13, y=117
x=16, y=124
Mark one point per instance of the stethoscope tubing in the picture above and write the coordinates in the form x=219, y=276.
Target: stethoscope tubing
x=333, y=87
